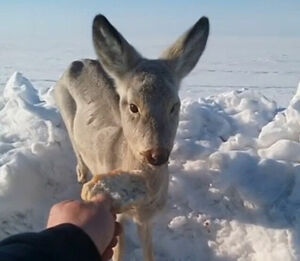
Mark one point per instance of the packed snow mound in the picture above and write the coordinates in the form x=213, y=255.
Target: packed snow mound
x=19, y=86
x=283, y=134
x=33, y=149
x=235, y=175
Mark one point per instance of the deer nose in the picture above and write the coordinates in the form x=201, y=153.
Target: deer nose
x=156, y=157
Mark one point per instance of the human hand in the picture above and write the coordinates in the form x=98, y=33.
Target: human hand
x=94, y=218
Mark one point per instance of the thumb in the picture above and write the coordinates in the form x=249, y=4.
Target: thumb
x=102, y=200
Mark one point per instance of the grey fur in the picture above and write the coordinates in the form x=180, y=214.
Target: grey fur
x=94, y=99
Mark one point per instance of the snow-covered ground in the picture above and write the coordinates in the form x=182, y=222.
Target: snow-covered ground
x=266, y=64
x=235, y=183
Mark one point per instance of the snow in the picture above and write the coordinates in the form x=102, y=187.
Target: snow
x=283, y=134
x=18, y=86
x=235, y=175
x=268, y=64
x=31, y=142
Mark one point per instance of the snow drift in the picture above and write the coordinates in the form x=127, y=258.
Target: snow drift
x=234, y=186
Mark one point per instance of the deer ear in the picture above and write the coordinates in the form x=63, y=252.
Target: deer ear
x=116, y=55
x=184, y=54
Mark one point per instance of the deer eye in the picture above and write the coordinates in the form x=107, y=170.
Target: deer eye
x=133, y=108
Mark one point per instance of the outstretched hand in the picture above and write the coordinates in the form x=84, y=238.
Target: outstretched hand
x=95, y=218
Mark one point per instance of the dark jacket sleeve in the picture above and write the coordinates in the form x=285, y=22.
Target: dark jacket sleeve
x=65, y=242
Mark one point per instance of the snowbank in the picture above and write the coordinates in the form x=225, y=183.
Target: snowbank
x=34, y=148
x=280, y=139
x=235, y=183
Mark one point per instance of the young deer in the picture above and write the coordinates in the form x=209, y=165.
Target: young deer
x=121, y=112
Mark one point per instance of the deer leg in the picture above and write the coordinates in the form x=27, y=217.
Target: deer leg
x=145, y=235
x=81, y=170
x=67, y=108
x=119, y=248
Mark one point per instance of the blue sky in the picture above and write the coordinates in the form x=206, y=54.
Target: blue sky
x=72, y=18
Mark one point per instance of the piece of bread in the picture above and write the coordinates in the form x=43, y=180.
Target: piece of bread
x=127, y=189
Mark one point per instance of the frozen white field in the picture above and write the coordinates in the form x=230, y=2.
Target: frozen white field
x=235, y=168
x=267, y=64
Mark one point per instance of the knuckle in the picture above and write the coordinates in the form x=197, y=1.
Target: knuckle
x=55, y=208
x=62, y=205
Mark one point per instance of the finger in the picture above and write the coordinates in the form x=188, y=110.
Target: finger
x=107, y=255
x=113, y=243
x=101, y=200
x=65, y=202
x=118, y=229
x=58, y=206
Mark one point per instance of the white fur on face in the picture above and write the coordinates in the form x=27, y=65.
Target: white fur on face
x=155, y=124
